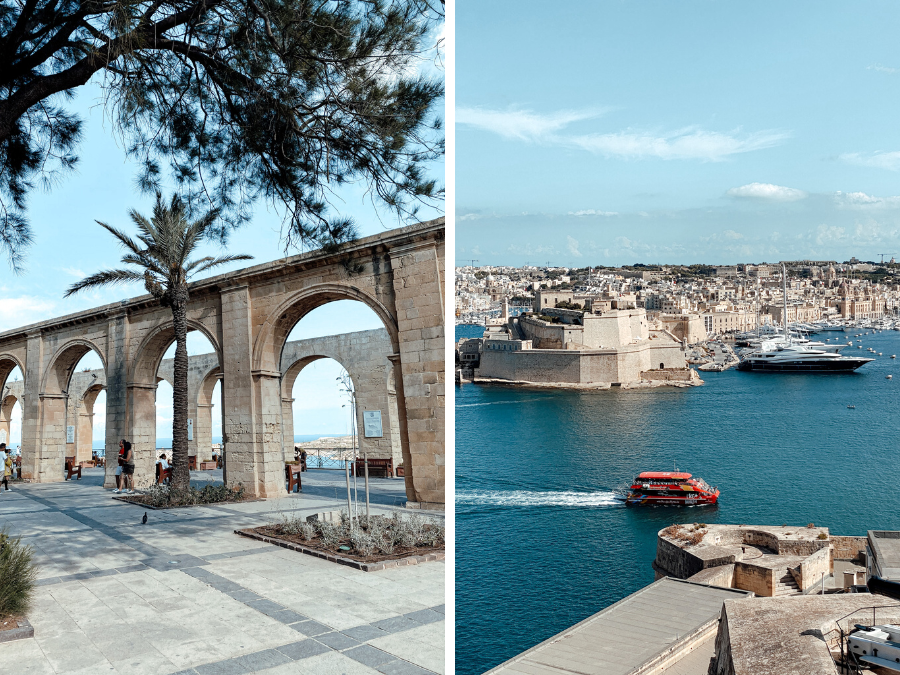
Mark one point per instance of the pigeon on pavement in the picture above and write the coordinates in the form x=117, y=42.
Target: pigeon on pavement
x=144, y=519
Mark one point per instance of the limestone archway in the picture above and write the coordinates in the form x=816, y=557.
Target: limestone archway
x=6, y=414
x=85, y=422
x=141, y=393
x=273, y=334
x=47, y=464
x=365, y=356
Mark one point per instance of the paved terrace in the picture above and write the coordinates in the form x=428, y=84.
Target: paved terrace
x=184, y=594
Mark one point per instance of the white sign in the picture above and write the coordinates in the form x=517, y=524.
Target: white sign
x=190, y=429
x=372, y=423
x=2, y=435
x=70, y=434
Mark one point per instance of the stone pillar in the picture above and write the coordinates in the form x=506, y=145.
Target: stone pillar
x=84, y=433
x=52, y=445
x=117, y=393
x=287, y=426
x=192, y=415
x=31, y=407
x=73, y=408
x=251, y=413
x=203, y=432
x=418, y=288
x=141, y=432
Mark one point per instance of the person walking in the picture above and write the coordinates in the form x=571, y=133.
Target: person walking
x=128, y=468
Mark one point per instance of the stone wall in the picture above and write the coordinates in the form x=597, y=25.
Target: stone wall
x=722, y=575
x=848, y=548
x=750, y=577
x=624, y=365
x=813, y=568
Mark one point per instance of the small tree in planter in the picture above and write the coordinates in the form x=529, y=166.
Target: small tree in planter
x=17, y=575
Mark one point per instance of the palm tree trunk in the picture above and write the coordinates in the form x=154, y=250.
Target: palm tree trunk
x=181, y=476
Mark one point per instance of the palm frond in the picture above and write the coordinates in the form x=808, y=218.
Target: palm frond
x=126, y=241
x=144, y=261
x=104, y=278
x=215, y=262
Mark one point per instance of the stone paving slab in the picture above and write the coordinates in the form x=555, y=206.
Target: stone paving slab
x=184, y=593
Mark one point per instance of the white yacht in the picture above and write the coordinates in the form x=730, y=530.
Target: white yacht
x=787, y=354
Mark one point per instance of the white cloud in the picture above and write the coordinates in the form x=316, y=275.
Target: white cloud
x=884, y=69
x=879, y=160
x=731, y=234
x=572, y=245
x=687, y=143
x=523, y=125
x=592, y=212
x=767, y=191
x=826, y=234
x=26, y=310
x=860, y=200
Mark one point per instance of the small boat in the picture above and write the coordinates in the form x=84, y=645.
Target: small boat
x=670, y=488
x=889, y=377
x=852, y=407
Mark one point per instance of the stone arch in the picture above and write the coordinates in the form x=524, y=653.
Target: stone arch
x=288, y=379
x=273, y=334
x=9, y=363
x=152, y=349
x=62, y=365
x=54, y=398
x=6, y=409
x=203, y=430
x=85, y=421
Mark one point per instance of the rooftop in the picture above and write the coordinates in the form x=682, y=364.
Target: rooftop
x=645, y=625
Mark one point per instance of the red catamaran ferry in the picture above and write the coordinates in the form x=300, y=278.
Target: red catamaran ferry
x=669, y=488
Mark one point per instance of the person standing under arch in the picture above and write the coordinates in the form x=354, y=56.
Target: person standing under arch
x=128, y=467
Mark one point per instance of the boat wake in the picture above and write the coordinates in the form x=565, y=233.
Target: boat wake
x=534, y=498
x=478, y=405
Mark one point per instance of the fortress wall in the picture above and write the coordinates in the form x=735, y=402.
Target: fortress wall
x=532, y=365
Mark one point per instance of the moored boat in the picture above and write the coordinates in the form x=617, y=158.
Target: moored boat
x=670, y=488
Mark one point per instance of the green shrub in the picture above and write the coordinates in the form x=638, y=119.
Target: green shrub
x=17, y=575
x=165, y=496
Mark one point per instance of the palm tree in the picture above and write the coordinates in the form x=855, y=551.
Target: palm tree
x=159, y=258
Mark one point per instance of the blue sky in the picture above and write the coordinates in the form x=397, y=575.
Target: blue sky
x=68, y=245
x=698, y=131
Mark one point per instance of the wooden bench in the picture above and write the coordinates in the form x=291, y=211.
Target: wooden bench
x=207, y=466
x=72, y=468
x=292, y=476
x=385, y=465
x=164, y=476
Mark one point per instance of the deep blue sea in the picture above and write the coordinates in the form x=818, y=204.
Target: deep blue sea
x=540, y=542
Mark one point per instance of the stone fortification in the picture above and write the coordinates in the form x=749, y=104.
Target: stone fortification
x=570, y=348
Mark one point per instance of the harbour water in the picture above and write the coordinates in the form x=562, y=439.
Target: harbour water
x=542, y=544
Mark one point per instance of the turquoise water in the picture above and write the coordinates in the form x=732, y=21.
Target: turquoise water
x=540, y=542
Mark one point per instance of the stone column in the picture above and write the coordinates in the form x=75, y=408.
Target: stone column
x=203, y=432
x=141, y=431
x=418, y=290
x=31, y=408
x=251, y=412
x=84, y=433
x=287, y=426
x=117, y=393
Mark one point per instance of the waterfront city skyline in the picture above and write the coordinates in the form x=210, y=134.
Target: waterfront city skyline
x=655, y=132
